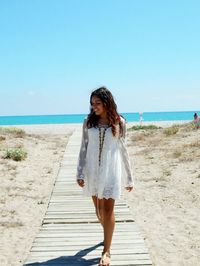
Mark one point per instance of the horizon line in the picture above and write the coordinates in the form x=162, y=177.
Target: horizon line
x=87, y=113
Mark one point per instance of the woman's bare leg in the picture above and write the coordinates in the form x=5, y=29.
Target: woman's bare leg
x=106, y=210
x=99, y=209
x=109, y=223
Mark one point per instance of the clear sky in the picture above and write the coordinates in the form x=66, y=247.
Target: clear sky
x=53, y=53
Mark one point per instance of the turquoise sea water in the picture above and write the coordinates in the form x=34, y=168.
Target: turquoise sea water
x=78, y=118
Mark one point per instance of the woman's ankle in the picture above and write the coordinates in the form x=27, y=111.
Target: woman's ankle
x=106, y=251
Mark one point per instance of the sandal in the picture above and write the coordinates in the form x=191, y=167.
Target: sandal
x=105, y=259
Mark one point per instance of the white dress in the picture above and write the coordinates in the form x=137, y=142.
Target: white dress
x=103, y=171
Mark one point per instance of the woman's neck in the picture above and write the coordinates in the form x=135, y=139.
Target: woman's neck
x=103, y=119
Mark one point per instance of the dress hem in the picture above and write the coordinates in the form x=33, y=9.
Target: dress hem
x=103, y=197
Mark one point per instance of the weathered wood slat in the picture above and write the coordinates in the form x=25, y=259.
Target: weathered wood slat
x=84, y=205
x=61, y=245
x=87, y=212
x=64, y=211
x=93, y=237
x=89, y=230
x=141, y=256
x=84, y=262
x=85, y=220
x=92, y=241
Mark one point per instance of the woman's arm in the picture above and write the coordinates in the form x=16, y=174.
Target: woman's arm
x=82, y=153
x=125, y=156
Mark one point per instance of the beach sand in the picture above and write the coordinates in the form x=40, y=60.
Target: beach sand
x=26, y=187
x=165, y=202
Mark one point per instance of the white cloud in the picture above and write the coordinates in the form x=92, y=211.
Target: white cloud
x=31, y=93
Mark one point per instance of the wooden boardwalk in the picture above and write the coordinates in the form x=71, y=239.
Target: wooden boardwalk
x=71, y=235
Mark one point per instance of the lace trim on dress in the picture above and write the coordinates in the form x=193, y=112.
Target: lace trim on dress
x=82, y=153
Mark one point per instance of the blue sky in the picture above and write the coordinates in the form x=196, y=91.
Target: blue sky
x=54, y=53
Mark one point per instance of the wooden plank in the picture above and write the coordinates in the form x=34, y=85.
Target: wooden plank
x=87, y=230
x=121, y=256
x=93, y=236
x=76, y=220
x=76, y=261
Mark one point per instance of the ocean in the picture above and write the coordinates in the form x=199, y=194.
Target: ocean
x=78, y=118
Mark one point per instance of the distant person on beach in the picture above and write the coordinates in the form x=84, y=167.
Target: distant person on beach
x=102, y=151
x=196, y=120
x=141, y=118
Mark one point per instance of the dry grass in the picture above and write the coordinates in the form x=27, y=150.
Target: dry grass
x=154, y=143
x=195, y=144
x=177, y=154
x=172, y=146
x=171, y=130
x=144, y=151
x=188, y=127
x=2, y=138
x=186, y=158
x=138, y=137
x=180, y=128
x=16, y=132
x=167, y=172
x=142, y=133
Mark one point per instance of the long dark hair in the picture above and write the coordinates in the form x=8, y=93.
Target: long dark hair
x=111, y=109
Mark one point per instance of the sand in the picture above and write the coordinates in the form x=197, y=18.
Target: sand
x=165, y=202
x=26, y=188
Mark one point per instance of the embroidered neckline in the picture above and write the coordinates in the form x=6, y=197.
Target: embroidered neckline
x=101, y=141
x=103, y=125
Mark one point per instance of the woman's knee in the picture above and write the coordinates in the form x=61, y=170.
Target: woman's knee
x=108, y=208
x=99, y=205
x=107, y=212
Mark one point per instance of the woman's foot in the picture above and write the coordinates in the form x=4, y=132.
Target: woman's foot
x=105, y=259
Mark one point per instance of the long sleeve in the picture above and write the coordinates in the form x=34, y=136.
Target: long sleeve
x=82, y=153
x=125, y=157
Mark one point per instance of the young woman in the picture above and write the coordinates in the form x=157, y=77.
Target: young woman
x=103, y=155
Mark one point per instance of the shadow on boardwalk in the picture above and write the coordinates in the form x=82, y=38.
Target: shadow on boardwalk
x=76, y=260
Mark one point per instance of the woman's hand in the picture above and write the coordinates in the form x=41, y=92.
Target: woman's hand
x=129, y=188
x=80, y=182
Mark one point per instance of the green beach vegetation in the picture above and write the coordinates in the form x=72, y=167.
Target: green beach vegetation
x=17, y=154
x=143, y=127
x=7, y=151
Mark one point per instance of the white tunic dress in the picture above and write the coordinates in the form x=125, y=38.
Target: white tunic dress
x=103, y=171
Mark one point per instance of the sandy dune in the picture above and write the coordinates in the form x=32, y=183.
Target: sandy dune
x=165, y=202
x=25, y=190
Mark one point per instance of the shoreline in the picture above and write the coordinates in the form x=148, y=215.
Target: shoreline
x=69, y=128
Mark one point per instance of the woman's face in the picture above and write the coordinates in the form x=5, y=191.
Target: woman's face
x=97, y=106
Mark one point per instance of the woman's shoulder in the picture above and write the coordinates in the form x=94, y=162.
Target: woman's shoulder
x=86, y=124
x=122, y=120
x=85, y=121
